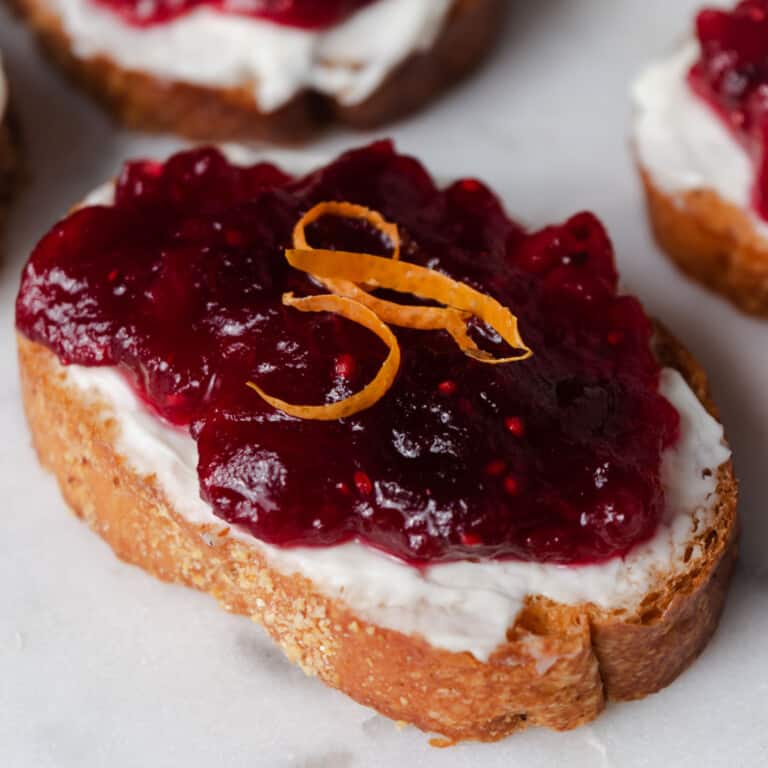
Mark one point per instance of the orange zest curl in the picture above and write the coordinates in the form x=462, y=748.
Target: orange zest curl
x=346, y=211
x=406, y=316
x=372, y=393
x=450, y=318
x=420, y=318
x=345, y=273
x=425, y=283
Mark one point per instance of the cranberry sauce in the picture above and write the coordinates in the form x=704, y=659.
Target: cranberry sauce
x=307, y=14
x=179, y=285
x=732, y=76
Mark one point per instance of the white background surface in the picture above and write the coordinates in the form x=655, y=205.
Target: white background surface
x=102, y=666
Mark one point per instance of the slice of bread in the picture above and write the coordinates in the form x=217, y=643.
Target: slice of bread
x=592, y=655
x=713, y=241
x=697, y=180
x=145, y=102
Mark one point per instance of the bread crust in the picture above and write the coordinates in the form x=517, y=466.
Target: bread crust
x=713, y=241
x=592, y=655
x=145, y=102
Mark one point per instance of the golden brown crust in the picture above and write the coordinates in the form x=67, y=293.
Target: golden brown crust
x=674, y=623
x=144, y=102
x=713, y=241
x=594, y=655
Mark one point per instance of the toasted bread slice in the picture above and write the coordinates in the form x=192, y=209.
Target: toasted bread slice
x=697, y=180
x=592, y=655
x=145, y=102
x=713, y=241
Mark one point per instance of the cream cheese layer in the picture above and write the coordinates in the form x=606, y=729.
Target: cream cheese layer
x=348, y=61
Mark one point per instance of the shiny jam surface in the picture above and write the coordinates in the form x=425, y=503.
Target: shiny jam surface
x=179, y=284
x=732, y=76
x=306, y=14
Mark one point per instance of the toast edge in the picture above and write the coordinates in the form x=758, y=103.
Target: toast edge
x=598, y=655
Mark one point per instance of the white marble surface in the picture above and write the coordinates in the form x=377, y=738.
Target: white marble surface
x=102, y=666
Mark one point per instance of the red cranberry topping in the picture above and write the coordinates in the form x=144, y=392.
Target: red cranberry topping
x=345, y=366
x=307, y=14
x=515, y=426
x=511, y=485
x=363, y=483
x=732, y=76
x=496, y=467
x=179, y=284
x=447, y=387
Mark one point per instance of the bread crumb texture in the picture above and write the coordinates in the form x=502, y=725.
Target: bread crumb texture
x=712, y=241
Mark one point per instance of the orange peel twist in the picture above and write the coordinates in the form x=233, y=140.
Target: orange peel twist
x=425, y=283
x=419, y=318
x=372, y=393
x=344, y=272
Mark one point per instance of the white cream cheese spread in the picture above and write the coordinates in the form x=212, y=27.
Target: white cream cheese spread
x=348, y=61
x=681, y=142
